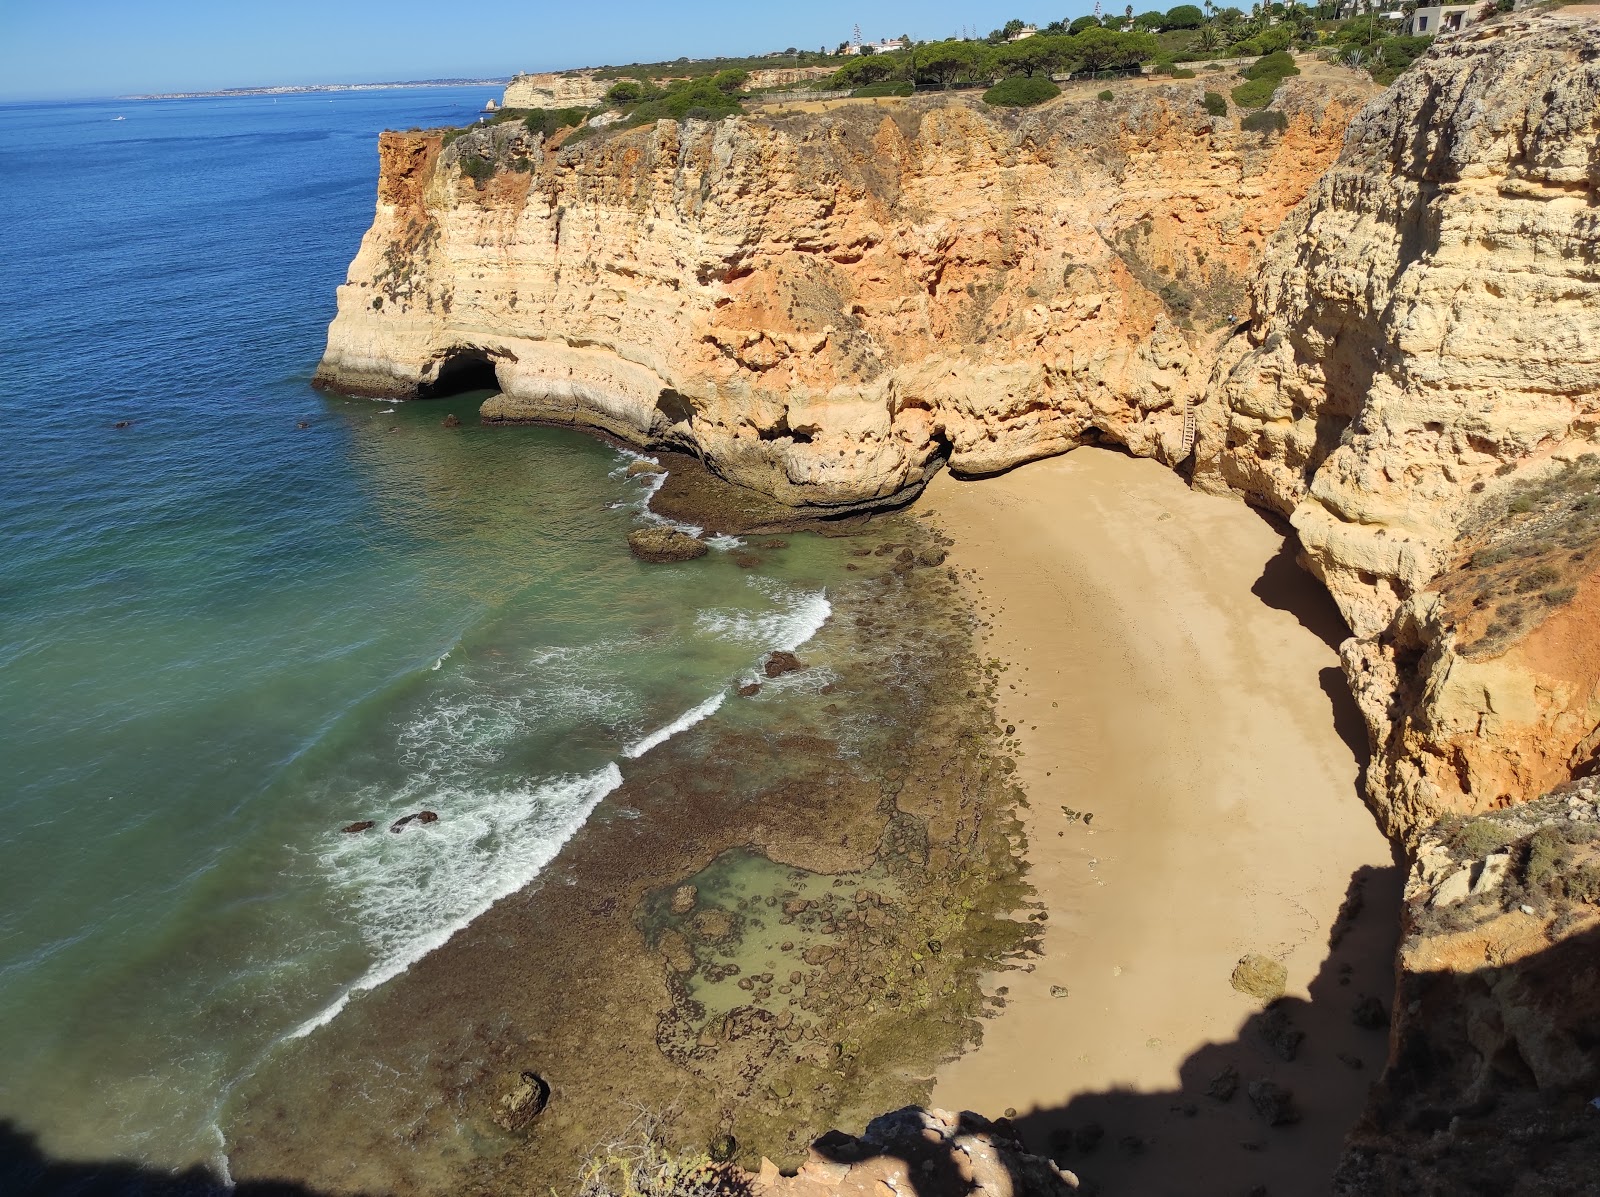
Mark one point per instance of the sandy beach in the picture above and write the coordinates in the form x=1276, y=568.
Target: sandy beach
x=1171, y=672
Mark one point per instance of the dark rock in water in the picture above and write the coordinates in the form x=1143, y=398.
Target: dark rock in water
x=525, y=1101
x=422, y=816
x=684, y=899
x=645, y=467
x=1224, y=1085
x=451, y=421
x=780, y=663
x=829, y=688
x=123, y=424
x=723, y=1148
x=1274, y=1103
x=775, y=543
x=302, y=424
x=363, y=825
x=750, y=691
x=746, y=560
x=665, y=544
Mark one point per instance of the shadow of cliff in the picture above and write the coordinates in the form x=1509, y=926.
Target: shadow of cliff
x=1286, y=585
x=1265, y=1113
x=27, y=1171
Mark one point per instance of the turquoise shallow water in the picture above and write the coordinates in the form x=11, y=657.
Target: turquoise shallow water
x=223, y=636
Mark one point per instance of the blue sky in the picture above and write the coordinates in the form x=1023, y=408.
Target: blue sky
x=58, y=48
x=100, y=48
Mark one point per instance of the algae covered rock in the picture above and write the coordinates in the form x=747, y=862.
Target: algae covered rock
x=665, y=544
x=1260, y=977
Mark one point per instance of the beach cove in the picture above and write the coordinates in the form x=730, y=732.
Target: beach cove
x=1191, y=761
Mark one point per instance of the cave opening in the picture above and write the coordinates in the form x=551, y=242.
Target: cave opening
x=461, y=370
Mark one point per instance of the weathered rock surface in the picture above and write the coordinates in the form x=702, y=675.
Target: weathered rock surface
x=1425, y=339
x=661, y=544
x=1494, y=1055
x=828, y=307
x=570, y=89
x=929, y=1153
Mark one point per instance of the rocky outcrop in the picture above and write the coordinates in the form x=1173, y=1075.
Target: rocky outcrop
x=1494, y=1059
x=1424, y=356
x=829, y=307
x=785, y=77
x=570, y=89
x=930, y=1153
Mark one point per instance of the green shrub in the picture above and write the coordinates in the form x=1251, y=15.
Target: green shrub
x=1257, y=93
x=1277, y=65
x=1477, y=838
x=477, y=168
x=1105, y=97
x=1183, y=73
x=1558, y=595
x=1215, y=104
x=1021, y=91
x=1547, y=854
x=625, y=92
x=1269, y=120
x=547, y=122
x=899, y=88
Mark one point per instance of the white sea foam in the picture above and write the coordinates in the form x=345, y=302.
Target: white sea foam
x=682, y=723
x=800, y=616
x=413, y=891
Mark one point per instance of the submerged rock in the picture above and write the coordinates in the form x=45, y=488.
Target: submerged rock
x=780, y=663
x=363, y=825
x=525, y=1101
x=665, y=544
x=422, y=816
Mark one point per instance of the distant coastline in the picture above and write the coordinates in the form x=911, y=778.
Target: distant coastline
x=302, y=89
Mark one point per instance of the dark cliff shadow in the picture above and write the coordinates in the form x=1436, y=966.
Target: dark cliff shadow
x=1265, y=1113
x=26, y=1171
x=1285, y=585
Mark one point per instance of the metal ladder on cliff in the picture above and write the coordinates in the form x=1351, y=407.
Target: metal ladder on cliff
x=1190, y=427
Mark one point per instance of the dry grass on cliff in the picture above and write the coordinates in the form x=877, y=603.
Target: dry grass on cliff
x=642, y=1163
x=1524, y=554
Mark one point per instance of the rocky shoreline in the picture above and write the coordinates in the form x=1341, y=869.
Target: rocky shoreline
x=715, y=941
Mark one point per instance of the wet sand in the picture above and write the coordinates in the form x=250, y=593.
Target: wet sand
x=1171, y=670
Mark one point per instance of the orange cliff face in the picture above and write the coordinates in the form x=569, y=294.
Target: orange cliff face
x=1419, y=393
x=828, y=307
x=1390, y=338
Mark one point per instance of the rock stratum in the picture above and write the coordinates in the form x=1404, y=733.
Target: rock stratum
x=1382, y=324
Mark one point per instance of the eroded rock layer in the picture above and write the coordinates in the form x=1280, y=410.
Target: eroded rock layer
x=828, y=307
x=1420, y=377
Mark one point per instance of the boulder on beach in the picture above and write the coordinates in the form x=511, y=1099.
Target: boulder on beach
x=665, y=544
x=1260, y=977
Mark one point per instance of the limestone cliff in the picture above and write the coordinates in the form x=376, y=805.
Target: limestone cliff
x=570, y=89
x=828, y=307
x=1494, y=1057
x=1421, y=372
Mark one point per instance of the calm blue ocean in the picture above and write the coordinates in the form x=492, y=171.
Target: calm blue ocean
x=224, y=636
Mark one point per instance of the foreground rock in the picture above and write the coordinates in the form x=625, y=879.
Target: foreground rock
x=665, y=544
x=928, y=1153
x=1494, y=1059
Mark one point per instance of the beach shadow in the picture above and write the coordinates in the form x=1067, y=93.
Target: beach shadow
x=1285, y=585
x=1263, y=1114
x=27, y=1171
